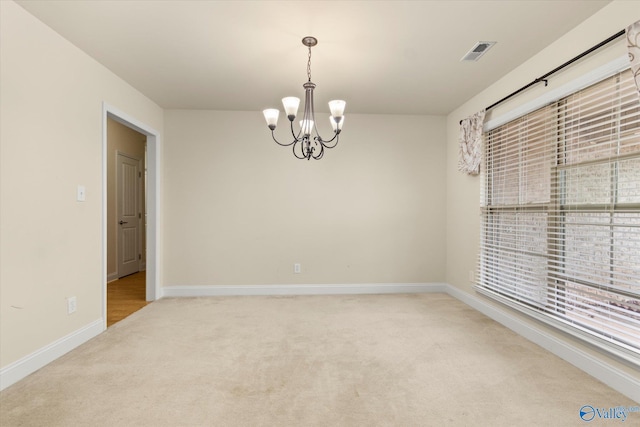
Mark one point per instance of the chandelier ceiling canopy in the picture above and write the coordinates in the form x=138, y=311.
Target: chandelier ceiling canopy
x=307, y=142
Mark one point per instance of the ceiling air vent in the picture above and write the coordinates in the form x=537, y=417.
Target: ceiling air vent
x=477, y=51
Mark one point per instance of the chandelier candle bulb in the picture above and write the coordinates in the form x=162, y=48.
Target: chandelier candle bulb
x=337, y=108
x=271, y=116
x=291, y=104
x=305, y=145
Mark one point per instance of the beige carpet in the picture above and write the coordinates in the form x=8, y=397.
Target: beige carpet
x=374, y=360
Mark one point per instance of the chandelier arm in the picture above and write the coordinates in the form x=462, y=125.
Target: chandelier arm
x=302, y=149
x=293, y=133
x=327, y=143
x=280, y=143
x=295, y=154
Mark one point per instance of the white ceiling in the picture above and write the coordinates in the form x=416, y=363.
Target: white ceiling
x=382, y=57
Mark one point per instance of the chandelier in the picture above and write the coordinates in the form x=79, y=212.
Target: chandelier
x=307, y=142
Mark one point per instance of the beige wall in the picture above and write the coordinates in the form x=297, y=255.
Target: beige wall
x=463, y=192
x=50, y=142
x=239, y=209
x=124, y=140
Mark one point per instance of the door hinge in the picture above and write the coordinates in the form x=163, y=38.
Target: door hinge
x=139, y=256
x=139, y=174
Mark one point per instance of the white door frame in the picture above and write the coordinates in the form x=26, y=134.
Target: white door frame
x=153, y=288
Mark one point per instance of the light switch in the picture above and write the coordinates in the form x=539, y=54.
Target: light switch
x=81, y=193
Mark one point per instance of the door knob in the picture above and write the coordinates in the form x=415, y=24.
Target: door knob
x=122, y=222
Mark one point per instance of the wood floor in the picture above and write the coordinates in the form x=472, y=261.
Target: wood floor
x=125, y=296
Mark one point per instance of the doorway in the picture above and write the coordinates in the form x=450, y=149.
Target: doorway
x=138, y=170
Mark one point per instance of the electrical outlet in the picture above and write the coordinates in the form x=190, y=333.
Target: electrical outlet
x=296, y=268
x=71, y=305
x=471, y=275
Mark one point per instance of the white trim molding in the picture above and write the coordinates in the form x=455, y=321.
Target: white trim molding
x=608, y=374
x=19, y=369
x=247, y=290
x=153, y=195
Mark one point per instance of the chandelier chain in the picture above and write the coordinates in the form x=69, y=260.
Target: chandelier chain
x=309, y=65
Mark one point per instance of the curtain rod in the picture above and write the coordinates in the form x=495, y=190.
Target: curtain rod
x=555, y=70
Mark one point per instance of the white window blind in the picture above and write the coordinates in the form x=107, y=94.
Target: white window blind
x=560, y=208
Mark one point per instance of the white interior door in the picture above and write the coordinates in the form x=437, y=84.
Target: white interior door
x=128, y=214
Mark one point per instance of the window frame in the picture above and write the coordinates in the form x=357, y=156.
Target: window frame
x=556, y=203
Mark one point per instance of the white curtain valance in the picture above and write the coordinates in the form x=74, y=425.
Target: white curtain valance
x=470, y=153
x=633, y=44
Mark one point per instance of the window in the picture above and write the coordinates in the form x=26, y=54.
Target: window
x=561, y=214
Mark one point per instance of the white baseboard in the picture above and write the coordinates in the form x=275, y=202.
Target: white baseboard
x=246, y=290
x=19, y=369
x=613, y=377
x=112, y=276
